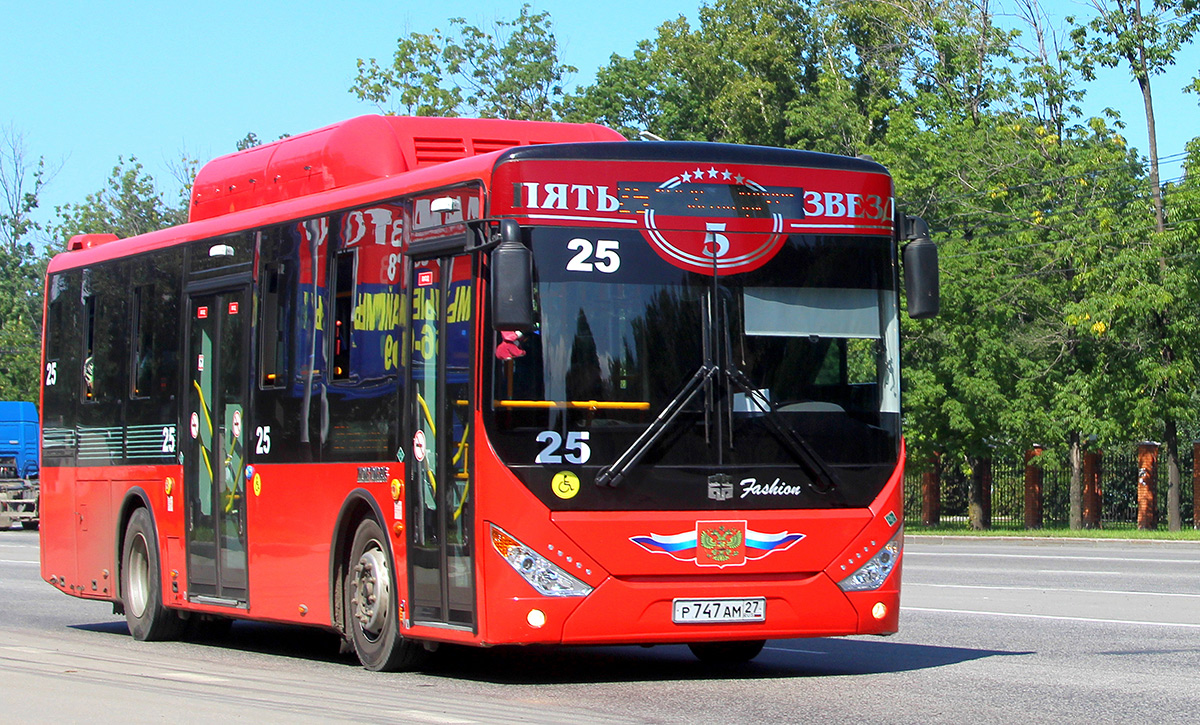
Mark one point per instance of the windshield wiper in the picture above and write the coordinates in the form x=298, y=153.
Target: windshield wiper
x=823, y=478
x=702, y=379
x=612, y=474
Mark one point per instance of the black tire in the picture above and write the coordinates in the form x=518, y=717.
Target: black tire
x=29, y=525
x=371, y=605
x=141, y=584
x=727, y=653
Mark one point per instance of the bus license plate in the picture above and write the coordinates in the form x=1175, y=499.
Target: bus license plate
x=750, y=609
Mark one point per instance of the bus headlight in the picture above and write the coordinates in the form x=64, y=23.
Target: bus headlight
x=874, y=573
x=541, y=573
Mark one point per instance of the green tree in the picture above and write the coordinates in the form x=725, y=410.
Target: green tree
x=22, y=267
x=249, y=141
x=509, y=71
x=129, y=204
x=1147, y=43
x=1032, y=206
x=737, y=78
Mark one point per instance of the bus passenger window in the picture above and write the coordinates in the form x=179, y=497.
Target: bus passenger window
x=343, y=313
x=89, y=349
x=142, y=374
x=273, y=328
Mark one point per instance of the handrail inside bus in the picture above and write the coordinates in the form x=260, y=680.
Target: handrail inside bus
x=572, y=404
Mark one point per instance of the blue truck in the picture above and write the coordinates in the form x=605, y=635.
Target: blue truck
x=18, y=464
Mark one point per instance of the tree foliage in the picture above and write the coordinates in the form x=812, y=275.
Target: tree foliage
x=129, y=204
x=1147, y=42
x=22, y=266
x=510, y=70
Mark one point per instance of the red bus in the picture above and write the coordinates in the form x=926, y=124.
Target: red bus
x=424, y=381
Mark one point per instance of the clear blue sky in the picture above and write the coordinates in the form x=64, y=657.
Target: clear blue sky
x=86, y=82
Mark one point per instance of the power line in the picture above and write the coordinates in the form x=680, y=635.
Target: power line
x=1082, y=237
x=1095, y=265
x=1172, y=158
x=1087, y=265
x=1108, y=193
x=985, y=217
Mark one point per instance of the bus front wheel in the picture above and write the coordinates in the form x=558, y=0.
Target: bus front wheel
x=370, y=604
x=141, y=584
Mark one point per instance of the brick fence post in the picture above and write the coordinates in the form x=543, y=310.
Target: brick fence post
x=1093, y=497
x=931, y=492
x=1147, y=489
x=1033, y=489
x=1196, y=484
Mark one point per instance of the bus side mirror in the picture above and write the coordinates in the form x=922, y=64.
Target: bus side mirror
x=512, y=281
x=921, y=271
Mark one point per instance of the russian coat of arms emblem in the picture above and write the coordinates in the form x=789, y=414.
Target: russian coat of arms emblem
x=722, y=543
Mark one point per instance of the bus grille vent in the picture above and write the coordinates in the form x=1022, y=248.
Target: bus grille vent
x=488, y=145
x=432, y=151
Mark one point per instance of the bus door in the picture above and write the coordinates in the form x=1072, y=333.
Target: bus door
x=214, y=444
x=440, y=547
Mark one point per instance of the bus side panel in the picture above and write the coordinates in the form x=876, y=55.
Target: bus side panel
x=57, y=527
x=98, y=496
x=290, y=517
x=94, y=529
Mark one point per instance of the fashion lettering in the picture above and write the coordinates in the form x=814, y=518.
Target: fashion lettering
x=751, y=487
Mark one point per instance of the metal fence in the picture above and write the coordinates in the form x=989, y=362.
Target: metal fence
x=1118, y=492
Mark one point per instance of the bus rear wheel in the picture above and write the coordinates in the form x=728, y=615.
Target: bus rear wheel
x=727, y=653
x=141, y=584
x=372, y=624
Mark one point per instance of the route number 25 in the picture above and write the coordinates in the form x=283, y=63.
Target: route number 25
x=576, y=450
x=604, y=256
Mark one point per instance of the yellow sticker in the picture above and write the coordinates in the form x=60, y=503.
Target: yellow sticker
x=565, y=484
x=397, y=489
x=169, y=485
x=257, y=484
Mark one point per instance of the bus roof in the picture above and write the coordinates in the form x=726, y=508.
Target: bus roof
x=363, y=149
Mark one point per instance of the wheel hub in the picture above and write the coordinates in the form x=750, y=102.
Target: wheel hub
x=372, y=592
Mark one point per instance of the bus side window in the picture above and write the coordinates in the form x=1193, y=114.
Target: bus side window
x=60, y=374
x=273, y=328
x=89, y=349
x=142, y=359
x=344, y=279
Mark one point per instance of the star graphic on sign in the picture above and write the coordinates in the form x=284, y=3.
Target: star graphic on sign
x=686, y=177
x=739, y=178
x=726, y=175
x=712, y=173
x=699, y=172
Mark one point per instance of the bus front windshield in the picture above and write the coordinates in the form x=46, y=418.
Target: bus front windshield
x=783, y=376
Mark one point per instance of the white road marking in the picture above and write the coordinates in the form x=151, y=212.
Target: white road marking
x=1122, y=559
x=1093, y=620
x=1050, y=589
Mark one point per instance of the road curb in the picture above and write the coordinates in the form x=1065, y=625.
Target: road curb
x=1054, y=541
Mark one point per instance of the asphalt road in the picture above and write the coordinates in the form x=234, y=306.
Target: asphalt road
x=991, y=631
